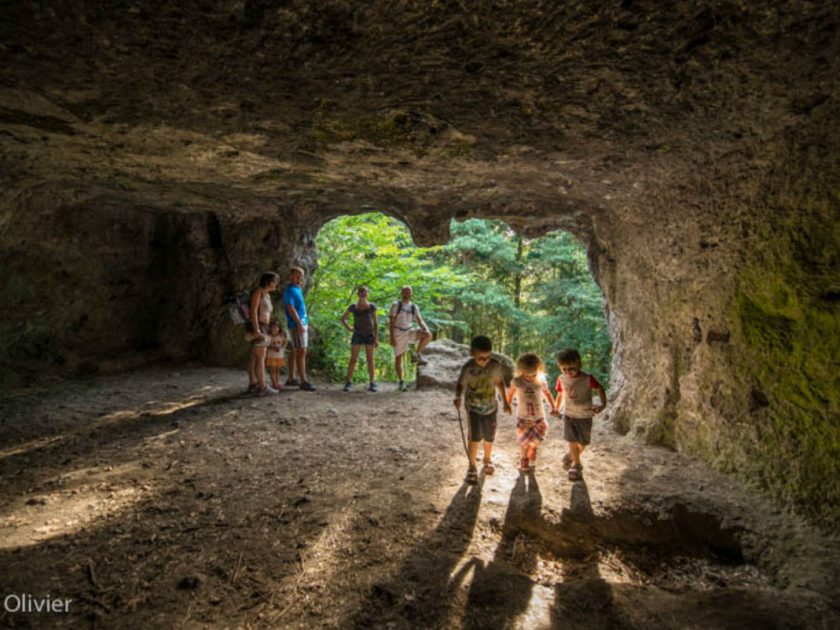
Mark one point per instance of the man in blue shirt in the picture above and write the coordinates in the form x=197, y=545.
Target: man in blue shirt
x=298, y=329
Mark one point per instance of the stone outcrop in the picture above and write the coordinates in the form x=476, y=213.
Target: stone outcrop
x=156, y=155
x=445, y=360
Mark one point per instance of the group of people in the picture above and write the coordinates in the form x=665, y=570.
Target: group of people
x=268, y=341
x=482, y=378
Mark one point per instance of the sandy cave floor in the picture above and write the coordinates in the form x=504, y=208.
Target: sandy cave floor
x=165, y=497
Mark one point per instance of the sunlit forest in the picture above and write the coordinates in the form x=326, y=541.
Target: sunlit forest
x=527, y=295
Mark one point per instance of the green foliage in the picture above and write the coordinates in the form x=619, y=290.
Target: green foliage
x=376, y=251
x=526, y=295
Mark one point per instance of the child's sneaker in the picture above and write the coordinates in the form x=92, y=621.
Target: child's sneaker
x=575, y=473
x=567, y=461
x=524, y=464
x=347, y=386
x=472, y=475
x=489, y=468
x=532, y=465
x=373, y=387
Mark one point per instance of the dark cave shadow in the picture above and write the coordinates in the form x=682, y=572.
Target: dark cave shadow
x=500, y=591
x=71, y=448
x=421, y=591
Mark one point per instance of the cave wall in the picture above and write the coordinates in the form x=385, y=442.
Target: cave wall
x=160, y=149
x=96, y=284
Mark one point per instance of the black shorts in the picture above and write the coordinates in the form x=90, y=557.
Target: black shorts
x=361, y=339
x=577, y=429
x=482, y=427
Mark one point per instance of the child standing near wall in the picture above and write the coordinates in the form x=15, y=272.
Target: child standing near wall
x=531, y=392
x=481, y=377
x=574, y=401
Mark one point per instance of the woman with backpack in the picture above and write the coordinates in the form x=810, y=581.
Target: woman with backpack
x=260, y=317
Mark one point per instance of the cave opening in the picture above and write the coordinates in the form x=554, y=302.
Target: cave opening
x=526, y=294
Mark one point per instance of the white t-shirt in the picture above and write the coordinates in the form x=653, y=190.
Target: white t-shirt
x=529, y=399
x=406, y=314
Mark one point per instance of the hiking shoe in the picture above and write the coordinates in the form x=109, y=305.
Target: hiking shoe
x=293, y=383
x=267, y=391
x=575, y=473
x=419, y=360
x=489, y=468
x=307, y=386
x=567, y=461
x=347, y=386
x=373, y=387
x=402, y=386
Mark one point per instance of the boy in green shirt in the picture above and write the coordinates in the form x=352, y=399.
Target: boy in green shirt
x=480, y=379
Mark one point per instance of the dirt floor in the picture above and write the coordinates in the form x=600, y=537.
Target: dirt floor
x=166, y=498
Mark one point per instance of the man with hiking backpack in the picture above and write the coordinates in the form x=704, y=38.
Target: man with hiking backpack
x=404, y=314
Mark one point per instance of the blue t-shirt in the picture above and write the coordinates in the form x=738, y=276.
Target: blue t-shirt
x=293, y=296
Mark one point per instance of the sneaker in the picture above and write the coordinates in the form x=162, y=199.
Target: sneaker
x=567, y=461
x=419, y=360
x=307, y=386
x=293, y=383
x=373, y=387
x=267, y=391
x=575, y=473
x=347, y=386
x=402, y=386
x=524, y=465
x=489, y=468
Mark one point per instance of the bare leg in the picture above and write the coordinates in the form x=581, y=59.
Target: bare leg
x=259, y=366
x=424, y=341
x=275, y=377
x=575, y=450
x=351, y=367
x=252, y=368
x=292, y=365
x=488, y=450
x=301, y=361
x=473, y=454
x=370, y=362
x=398, y=364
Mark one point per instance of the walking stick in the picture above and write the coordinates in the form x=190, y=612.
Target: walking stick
x=463, y=437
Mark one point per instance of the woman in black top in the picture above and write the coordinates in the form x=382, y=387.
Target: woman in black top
x=365, y=333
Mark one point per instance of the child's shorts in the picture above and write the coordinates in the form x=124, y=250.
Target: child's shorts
x=482, y=427
x=529, y=431
x=577, y=429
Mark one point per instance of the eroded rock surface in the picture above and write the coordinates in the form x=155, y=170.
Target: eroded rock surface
x=155, y=156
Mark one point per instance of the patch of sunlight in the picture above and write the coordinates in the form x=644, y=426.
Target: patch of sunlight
x=67, y=511
x=146, y=410
x=31, y=445
x=538, y=613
